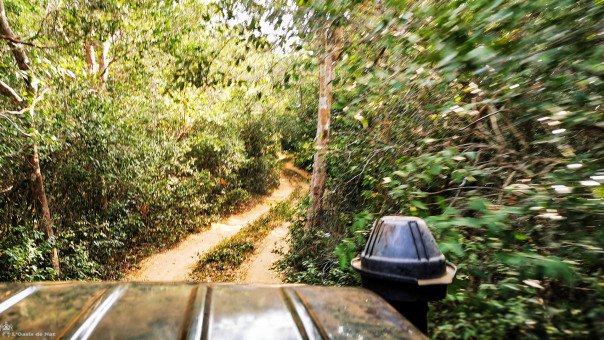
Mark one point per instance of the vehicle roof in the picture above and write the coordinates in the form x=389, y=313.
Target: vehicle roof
x=77, y=310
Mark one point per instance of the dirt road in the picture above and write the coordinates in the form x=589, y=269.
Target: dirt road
x=258, y=268
x=175, y=264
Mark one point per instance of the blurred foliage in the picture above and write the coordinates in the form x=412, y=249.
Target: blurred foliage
x=486, y=119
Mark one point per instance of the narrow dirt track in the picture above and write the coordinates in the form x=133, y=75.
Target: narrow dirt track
x=176, y=264
x=258, y=268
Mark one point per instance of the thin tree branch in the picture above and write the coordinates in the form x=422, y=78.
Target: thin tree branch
x=14, y=40
x=16, y=126
x=457, y=188
x=30, y=109
x=8, y=91
x=478, y=120
x=107, y=67
x=16, y=113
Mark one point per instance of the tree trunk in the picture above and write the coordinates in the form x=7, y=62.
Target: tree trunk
x=32, y=159
x=103, y=62
x=39, y=196
x=332, y=44
x=91, y=60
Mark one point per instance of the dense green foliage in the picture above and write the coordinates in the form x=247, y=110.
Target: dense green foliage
x=485, y=118
x=137, y=162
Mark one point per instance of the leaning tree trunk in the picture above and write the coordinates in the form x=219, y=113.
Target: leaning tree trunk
x=39, y=195
x=332, y=44
x=32, y=158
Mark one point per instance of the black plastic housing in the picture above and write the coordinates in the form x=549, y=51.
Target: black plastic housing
x=402, y=262
x=402, y=248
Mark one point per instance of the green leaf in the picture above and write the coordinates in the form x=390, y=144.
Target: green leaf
x=419, y=205
x=425, y=177
x=435, y=169
x=478, y=204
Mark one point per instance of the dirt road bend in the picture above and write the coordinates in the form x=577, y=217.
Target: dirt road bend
x=176, y=264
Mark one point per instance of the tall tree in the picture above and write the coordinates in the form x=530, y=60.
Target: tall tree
x=28, y=103
x=331, y=38
x=100, y=69
x=322, y=23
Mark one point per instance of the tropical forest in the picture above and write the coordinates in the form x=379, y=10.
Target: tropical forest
x=262, y=141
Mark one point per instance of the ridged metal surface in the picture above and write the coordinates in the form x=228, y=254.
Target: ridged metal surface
x=196, y=311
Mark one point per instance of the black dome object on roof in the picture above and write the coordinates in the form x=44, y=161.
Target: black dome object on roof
x=401, y=248
x=402, y=264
